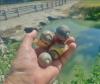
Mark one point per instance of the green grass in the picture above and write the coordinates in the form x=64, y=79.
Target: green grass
x=88, y=9
x=78, y=72
x=90, y=3
x=6, y=59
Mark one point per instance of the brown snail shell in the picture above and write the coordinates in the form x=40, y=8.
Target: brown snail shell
x=46, y=38
x=57, y=50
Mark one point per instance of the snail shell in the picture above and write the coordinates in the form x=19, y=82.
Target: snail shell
x=44, y=59
x=54, y=54
x=62, y=32
x=57, y=50
x=46, y=38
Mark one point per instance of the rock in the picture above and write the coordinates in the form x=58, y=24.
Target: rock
x=29, y=29
x=56, y=17
x=50, y=18
x=80, y=16
x=2, y=77
x=3, y=47
x=43, y=22
x=62, y=17
x=1, y=41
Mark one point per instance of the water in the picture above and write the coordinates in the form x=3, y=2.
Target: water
x=88, y=44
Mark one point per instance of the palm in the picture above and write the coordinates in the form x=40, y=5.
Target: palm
x=27, y=68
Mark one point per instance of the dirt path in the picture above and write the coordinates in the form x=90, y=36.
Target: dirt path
x=32, y=19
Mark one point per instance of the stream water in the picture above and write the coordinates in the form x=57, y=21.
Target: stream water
x=88, y=44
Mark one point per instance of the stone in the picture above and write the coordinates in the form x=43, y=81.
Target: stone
x=42, y=23
x=50, y=18
x=29, y=29
x=3, y=47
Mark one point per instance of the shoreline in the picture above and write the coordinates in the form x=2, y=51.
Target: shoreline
x=32, y=19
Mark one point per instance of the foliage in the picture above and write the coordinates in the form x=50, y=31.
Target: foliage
x=92, y=13
x=80, y=75
x=90, y=10
x=92, y=78
x=95, y=77
x=6, y=59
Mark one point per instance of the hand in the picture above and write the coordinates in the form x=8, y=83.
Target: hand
x=25, y=68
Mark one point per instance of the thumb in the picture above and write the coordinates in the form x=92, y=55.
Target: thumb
x=28, y=39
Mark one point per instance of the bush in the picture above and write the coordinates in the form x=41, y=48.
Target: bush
x=89, y=10
x=6, y=59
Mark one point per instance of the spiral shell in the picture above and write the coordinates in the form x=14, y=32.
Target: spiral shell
x=46, y=38
x=57, y=50
x=62, y=32
x=44, y=59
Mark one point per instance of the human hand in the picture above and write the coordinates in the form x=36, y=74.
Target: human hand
x=25, y=68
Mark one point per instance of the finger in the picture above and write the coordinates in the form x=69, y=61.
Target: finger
x=70, y=40
x=53, y=71
x=28, y=39
x=57, y=64
x=66, y=55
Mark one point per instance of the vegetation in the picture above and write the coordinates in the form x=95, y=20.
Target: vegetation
x=80, y=76
x=89, y=9
x=6, y=59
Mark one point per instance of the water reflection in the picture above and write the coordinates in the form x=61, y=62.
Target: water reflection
x=89, y=42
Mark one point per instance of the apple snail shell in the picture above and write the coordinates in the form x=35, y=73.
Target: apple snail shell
x=62, y=32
